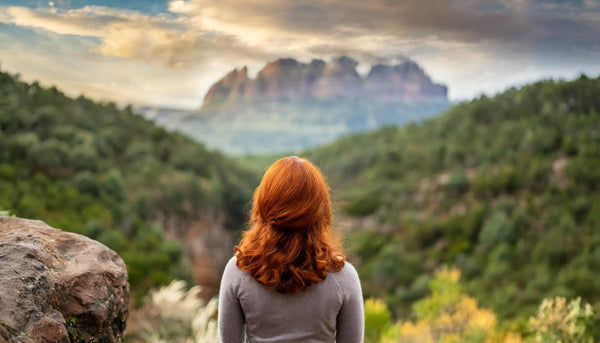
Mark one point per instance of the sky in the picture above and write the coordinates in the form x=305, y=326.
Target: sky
x=168, y=53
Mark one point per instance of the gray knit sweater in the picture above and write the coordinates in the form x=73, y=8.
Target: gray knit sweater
x=329, y=310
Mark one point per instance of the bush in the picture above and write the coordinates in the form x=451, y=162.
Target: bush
x=448, y=315
x=497, y=229
x=174, y=314
x=559, y=321
x=457, y=183
x=377, y=320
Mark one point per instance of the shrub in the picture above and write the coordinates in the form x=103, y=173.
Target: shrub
x=559, y=321
x=172, y=314
x=377, y=319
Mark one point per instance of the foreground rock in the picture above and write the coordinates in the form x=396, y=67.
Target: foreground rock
x=57, y=286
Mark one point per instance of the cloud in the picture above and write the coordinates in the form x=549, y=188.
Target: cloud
x=469, y=21
x=306, y=24
x=66, y=61
x=129, y=34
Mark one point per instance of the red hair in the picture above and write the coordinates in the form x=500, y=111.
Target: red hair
x=289, y=245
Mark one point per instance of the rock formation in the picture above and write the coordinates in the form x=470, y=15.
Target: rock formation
x=232, y=84
x=57, y=286
x=287, y=78
x=290, y=105
x=402, y=82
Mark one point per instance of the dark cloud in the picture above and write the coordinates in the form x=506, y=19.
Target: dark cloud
x=516, y=24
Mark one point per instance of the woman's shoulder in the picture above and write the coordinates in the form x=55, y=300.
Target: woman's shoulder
x=346, y=272
x=231, y=262
x=231, y=269
x=347, y=280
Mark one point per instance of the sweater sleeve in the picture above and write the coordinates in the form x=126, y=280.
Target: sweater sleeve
x=231, y=317
x=351, y=318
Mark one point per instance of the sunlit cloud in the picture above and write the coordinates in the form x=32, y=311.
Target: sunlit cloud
x=133, y=35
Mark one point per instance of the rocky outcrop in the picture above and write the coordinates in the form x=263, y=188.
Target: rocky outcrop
x=282, y=78
x=402, y=82
x=232, y=85
x=57, y=286
x=339, y=80
x=289, y=79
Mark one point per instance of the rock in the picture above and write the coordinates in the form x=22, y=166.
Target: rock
x=283, y=78
x=286, y=78
x=231, y=86
x=340, y=80
x=405, y=82
x=57, y=286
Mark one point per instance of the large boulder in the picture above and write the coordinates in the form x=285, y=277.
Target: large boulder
x=57, y=286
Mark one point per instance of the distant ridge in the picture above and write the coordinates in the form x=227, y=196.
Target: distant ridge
x=291, y=105
x=287, y=78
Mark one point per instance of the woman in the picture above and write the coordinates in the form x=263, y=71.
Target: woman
x=288, y=280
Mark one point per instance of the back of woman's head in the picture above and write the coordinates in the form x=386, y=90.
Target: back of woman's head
x=289, y=245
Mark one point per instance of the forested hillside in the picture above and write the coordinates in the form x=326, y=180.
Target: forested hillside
x=93, y=169
x=507, y=189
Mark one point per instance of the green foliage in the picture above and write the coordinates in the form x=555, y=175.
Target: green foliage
x=446, y=292
x=377, y=320
x=5, y=213
x=496, y=230
x=457, y=184
x=107, y=173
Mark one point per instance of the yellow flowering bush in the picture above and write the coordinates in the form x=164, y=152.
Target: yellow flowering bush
x=447, y=315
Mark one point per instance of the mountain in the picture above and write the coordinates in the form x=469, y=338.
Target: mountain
x=338, y=80
x=291, y=105
x=504, y=188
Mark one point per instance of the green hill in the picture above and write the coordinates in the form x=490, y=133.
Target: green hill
x=109, y=174
x=505, y=188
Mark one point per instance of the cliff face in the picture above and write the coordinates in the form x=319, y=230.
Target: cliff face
x=289, y=79
x=406, y=81
x=232, y=84
x=57, y=286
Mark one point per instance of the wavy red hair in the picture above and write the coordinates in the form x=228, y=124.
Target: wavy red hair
x=289, y=245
